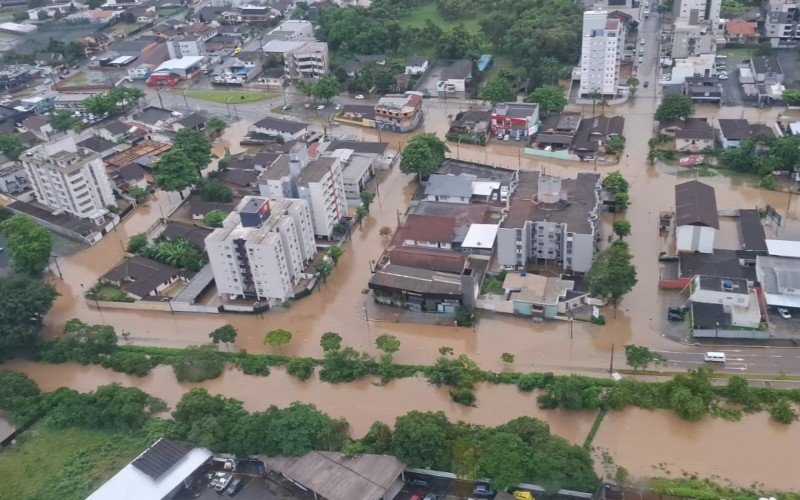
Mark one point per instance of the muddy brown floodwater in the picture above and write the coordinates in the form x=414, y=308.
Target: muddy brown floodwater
x=545, y=346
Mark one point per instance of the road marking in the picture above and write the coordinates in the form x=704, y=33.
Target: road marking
x=774, y=356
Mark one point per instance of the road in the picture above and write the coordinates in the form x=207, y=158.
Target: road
x=741, y=360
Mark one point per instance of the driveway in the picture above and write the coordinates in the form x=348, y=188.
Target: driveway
x=732, y=94
x=784, y=328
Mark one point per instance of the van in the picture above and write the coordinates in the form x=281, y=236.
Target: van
x=714, y=357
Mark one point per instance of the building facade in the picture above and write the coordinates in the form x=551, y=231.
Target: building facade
x=262, y=249
x=781, y=22
x=321, y=184
x=601, y=52
x=185, y=46
x=69, y=178
x=398, y=112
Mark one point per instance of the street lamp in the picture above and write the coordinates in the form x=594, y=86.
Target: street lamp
x=366, y=318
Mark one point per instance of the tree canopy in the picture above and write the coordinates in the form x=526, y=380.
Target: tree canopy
x=326, y=88
x=216, y=191
x=30, y=244
x=114, y=102
x=11, y=146
x=498, y=90
x=64, y=120
x=423, y=155
x=622, y=228
x=615, y=182
x=175, y=171
x=226, y=334
x=278, y=338
x=640, y=357
x=195, y=146
x=23, y=304
x=612, y=275
x=674, y=106
x=551, y=99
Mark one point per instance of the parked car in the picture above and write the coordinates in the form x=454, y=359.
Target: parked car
x=483, y=490
x=418, y=483
x=671, y=316
x=785, y=314
x=286, y=107
x=723, y=77
x=359, y=97
x=235, y=486
x=646, y=84
x=676, y=310
x=338, y=107
x=321, y=106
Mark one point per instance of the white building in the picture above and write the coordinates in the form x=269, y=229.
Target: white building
x=700, y=65
x=262, y=249
x=781, y=23
x=601, y=53
x=186, y=46
x=293, y=29
x=696, y=217
x=699, y=11
x=358, y=169
x=69, y=179
x=321, y=184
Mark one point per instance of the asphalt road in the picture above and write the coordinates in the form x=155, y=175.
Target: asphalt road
x=739, y=359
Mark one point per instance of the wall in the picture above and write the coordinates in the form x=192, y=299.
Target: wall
x=506, y=247
x=695, y=239
x=730, y=334
x=560, y=155
x=582, y=252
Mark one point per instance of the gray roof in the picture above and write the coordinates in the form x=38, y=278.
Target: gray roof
x=449, y=185
x=159, y=458
x=416, y=61
x=723, y=284
x=707, y=316
x=696, y=205
x=140, y=276
x=336, y=476
x=151, y=115
x=131, y=172
x=315, y=170
x=117, y=127
x=240, y=178
x=751, y=231
x=195, y=234
x=779, y=273
x=416, y=280
x=192, y=121
x=203, y=207
x=516, y=109
x=458, y=70
x=280, y=124
x=721, y=263
x=574, y=211
x=766, y=64
x=738, y=129
x=359, y=146
x=96, y=144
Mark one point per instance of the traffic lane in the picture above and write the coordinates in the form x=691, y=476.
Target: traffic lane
x=756, y=360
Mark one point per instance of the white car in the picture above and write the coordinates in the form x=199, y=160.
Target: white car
x=360, y=97
x=321, y=106
x=338, y=107
x=723, y=77
x=785, y=314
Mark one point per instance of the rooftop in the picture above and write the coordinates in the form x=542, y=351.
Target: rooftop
x=153, y=115
x=696, y=205
x=751, y=231
x=426, y=258
x=140, y=276
x=316, y=170
x=265, y=232
x=428, y=228
x=479, y=170
x=480, y=236
x=416, y=61
x=195, y=234
x=707, y=316
x=739, y=129
x=598, y=128
x=766, y=64
x=417, y=280
x=516, y=109
x=449, y=185
x=458, y=70
x=193, y=120
x=720, y=263
x=535, y=288
x=280, y=125
x=723, y=284
x=577, y=208
x=203, y=207
x=335, y=476
x=464, y=214
x=359, y=146
x=398, y=103
x=97, y=144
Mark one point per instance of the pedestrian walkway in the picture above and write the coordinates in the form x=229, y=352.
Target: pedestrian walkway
x=373, y=311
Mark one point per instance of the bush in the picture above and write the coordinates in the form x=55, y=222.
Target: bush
x=301, y=368
x=253, y=365
x=214, y=218
x=782, y=412
x=216, y=191
x=136, y=243
x=345, y=365
x=463, y=396
x=198, y=363
x=133, y=363
x=530, y=381
x=455, y=372
x=464, y=317
x=600, y=320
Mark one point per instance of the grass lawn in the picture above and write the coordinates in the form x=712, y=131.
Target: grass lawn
x=741, y=52
x=427, y=11
x=66, y=463
x=124, y=28
x=223, y=96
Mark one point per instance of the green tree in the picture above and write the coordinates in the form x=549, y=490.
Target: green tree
x=326, y=88
x=612, y=275
x=335, y=252
x=464, y=316
x=633, y=83
x=195, y=146
x=387, y=343
x=502, y=458
x=30, y=244
x=174, y=171
x=113, y=102
x=324, y=268
x=674, y=106
x=306, y=88
x=640, y=357
x=622, y=228
x=550, y=98
x=615, y=182
x=137, y=193
x=216, y=126
x=330, y=341
x=783, y=412
x=422, y=439
x=423, y=155
x=225, y=333
x=616, y=143
x=277, y=338
x=621, y=201
x=198, y=363
x=64, y=120
x=507, y=358
x=179, y=252
x=367, y=197
x=300, y=428
x=498, y=90
x=23, y=304
x=137, y=243
x=217, y=192
x=455, y=44
x=687, y=405
x=791, y=96
x=214, y=218
x=361, y=212
x=10, y=146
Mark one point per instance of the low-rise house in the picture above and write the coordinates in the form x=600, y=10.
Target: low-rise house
x=99, y=145
x=779, y=277
x=479, y=239
x=39, y=126
x=240, y=182
x=456, y=77
x=515, y=117
x=427, y=231
x=358, y=63
x=116, y=131
x=592, y=133
x=416, y=65
x=275, y=127
x=273, y=78
x=140, y=277
x=418, y=289
x=741, y=31
x=733, y=131
x=199, y=209
x=361, y=114
x=13, y=179
x=540, y=297
x=556, y=132
x=398, y=113
x=696, y=217
x=449, y=188
x=731, y=301
x=766, y=69
x=358, y=169
x=470, y=127
x=194, y=234
x=703, y=89
x=130, y=176
x=194, y=121
x=691, y=134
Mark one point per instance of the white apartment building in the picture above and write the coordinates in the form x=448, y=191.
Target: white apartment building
x=698, y=11
x=68, y=178
x=601, y=53
x=186, y=46
x=262, y=249
x=781, y=22
x=321, y=184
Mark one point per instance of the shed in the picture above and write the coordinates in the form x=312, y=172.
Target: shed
x=696, y=217
x=334, y=476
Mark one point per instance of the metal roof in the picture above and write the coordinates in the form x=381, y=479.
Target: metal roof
x=696, y=205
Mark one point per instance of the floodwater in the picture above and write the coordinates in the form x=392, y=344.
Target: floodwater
x=649, y=443
x=361, y=403
x=542, y=347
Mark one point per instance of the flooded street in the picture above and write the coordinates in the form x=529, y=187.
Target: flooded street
x=710, y=447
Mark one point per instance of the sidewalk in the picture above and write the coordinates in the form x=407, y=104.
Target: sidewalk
x=380, y=313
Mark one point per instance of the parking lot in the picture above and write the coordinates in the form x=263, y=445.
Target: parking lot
x=782, y=327
x=732, y=94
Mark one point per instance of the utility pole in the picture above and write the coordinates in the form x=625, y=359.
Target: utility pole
x=611, y=366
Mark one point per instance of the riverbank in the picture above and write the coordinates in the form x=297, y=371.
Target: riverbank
x=647, y=443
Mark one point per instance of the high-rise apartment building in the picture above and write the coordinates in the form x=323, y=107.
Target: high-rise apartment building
x=698, y=11
x=781, y=22
x=262, y=249
x=69, y=178
x=321, y=184
x=601, y=53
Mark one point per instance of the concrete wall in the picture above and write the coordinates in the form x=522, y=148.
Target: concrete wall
x=582, y=252
x=695, y=239
x=730, y=334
